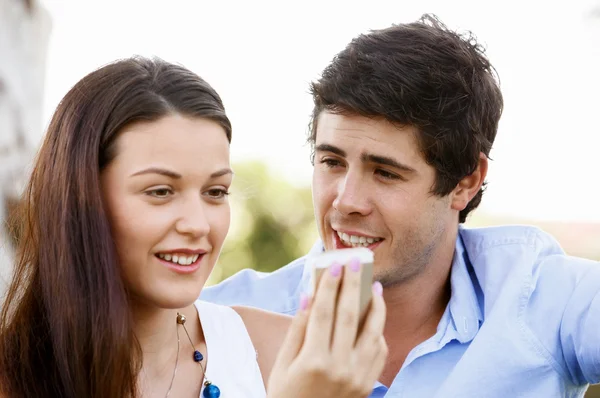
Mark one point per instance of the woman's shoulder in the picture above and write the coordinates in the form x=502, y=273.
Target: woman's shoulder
x=267, y=331
x=263, y=323
x=230, y=351
x=257, y=321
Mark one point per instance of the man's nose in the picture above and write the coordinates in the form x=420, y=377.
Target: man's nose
x=352, y=196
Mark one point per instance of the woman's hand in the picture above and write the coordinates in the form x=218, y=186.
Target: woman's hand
x=324, y=353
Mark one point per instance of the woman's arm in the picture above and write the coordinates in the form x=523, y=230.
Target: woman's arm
x=267, y=331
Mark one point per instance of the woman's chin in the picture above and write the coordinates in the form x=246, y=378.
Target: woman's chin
x=174, y=299
x=177, y=301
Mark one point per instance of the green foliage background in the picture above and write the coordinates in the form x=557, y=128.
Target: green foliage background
x=272, y=222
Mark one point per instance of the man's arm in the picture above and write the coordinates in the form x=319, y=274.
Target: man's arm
x=580, y=328
x=277, y=291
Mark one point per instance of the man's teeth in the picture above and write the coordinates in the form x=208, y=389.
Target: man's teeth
x=180, y=259
x=356, y=241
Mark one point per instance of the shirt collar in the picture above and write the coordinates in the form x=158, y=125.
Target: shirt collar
x=466, y=295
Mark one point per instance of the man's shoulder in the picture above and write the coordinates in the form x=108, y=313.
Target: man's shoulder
x=276, y=291
x=528, y=280
x=503, y=253
x=479, y=241
x=528, y=242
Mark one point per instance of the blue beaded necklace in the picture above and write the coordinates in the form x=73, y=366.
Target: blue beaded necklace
x=210, y=390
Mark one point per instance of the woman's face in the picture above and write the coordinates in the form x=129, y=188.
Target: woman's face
x=165, y=194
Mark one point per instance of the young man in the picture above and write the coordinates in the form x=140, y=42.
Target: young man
x=403, y=123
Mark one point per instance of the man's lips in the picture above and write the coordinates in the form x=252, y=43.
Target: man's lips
x=350, y=239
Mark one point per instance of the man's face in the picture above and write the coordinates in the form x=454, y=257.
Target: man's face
x=372, y=187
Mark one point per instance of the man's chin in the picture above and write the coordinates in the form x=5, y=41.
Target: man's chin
x=395, y=275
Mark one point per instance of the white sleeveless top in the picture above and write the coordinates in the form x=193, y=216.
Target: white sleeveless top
x=232, y=364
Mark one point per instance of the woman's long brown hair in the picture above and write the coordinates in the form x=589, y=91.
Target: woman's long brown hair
x=65, y=325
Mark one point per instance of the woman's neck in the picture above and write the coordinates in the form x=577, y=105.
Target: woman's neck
x=157, y=332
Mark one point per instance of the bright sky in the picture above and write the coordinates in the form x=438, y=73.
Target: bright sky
x=260, y=56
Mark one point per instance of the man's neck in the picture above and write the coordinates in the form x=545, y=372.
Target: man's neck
x=414, y=310
x=413, y=306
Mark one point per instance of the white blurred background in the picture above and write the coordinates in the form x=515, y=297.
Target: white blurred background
x=260, y=56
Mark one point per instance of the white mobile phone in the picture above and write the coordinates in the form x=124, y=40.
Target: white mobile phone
x=320, y=262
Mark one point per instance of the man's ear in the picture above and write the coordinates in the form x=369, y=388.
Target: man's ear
x=468, y=187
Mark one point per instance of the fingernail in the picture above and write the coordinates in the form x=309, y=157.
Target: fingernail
x=335, y=269
x=303, y=301
x=378, y=288
x=354, y=264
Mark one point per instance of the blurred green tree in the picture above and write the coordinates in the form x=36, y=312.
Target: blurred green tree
x=272, y=222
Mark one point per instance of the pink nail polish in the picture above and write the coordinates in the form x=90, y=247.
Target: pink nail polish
x=335, y=269
x=303, y=301
x=354, y=264
x=378, y=288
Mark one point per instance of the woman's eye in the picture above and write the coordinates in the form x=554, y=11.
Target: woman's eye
x=160, y=193
x=217, y=193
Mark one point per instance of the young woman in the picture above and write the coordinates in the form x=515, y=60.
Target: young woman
x=124, y=218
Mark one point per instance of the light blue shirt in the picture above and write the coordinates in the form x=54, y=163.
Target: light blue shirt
x=523, y=318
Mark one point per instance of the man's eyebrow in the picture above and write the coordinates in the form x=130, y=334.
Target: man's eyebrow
x=385, y=160
x=330, y=148
x=367, y=158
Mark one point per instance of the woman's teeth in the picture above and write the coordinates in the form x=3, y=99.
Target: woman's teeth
x=180, y=259
x=356, y=241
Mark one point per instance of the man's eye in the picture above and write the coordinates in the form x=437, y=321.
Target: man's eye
x=330, y=162
x=387, y=175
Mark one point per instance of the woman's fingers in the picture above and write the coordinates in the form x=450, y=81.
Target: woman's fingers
x=375, y=322
x=379, y=353
x=371, y=346
x=347, y=314
x=321, y=318
x=349, y=365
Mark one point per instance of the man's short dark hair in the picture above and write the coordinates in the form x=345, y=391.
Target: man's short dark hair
x=424, y=75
